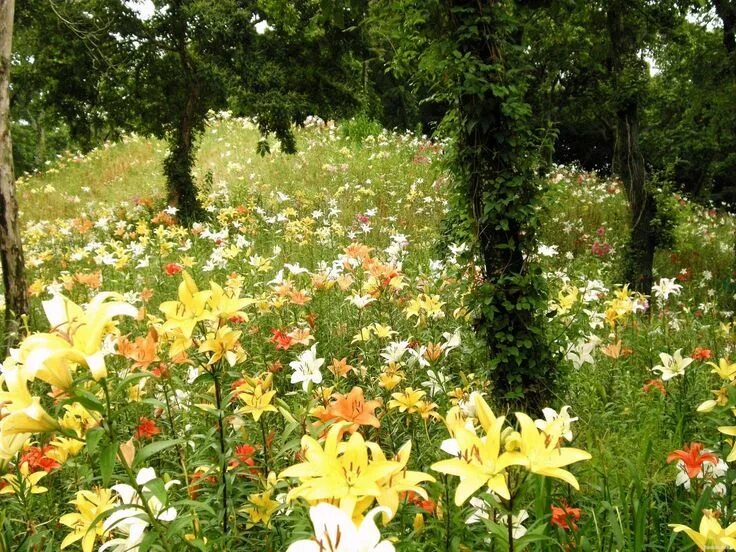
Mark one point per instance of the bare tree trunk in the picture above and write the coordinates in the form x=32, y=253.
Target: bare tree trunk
x=11, y=250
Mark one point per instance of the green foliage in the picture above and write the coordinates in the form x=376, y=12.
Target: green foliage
x=473, y=58
x=359, y=128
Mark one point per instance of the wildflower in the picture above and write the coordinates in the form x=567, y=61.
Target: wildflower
x=142, y=351
x=693, y=458
x=280, y=339
x=62, y=448
x=353, y=408
x=244, y=455
x=256, y=396
x=23, y=482
x=129, y=520
x=701, y=353
x=665, y=288
x=76, y=338
x=341, y=472
x=38, y=460
x=435, y=383
x=616, y=350
x=23, y=413
x=551, y=416
x=672, y=365
x=146, y=429
x=710, y=534
x=306, y=368
x=479, y=460
x=406, y=401
x=725, y=369
x=565, y=517
x=543, y=453
x=223, y=344
x=654, y=384
x=260, y=509
x=340, y=368
x=172, y=269
x=334, y=531
x=86, y=524
x=517, y=529
x=581, y=353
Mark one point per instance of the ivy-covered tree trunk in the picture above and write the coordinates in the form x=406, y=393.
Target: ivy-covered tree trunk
x=182, y=190
x=11, y=249
x=628, y=79
x=495, y=163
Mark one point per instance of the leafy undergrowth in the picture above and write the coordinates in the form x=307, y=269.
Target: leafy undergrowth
x=311, y=342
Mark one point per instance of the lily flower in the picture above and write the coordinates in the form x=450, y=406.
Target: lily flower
x=710, y=535
x=341, y=471
x=672, y=365
x=480, y=461
x=334, y=531
x=86, y=523
x=543, y=451
x=76, y=338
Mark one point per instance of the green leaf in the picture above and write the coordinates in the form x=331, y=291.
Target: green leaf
x=93, y=439
x=154, y=448
x=88, y=400
x=107, y=462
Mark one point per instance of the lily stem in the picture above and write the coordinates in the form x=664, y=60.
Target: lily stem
x=221, y=433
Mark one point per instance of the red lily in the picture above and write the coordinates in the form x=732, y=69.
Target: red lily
x=693, y=458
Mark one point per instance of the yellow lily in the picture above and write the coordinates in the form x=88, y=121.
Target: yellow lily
x=257, y=399
x=226, y=304
x=479, y=460
x=76, y=337
x=23, y=413
x=223, y=344
x=399, y=482
x=543, y=451
x=191, y=308
x=710, y=535
x=725, y=369
x=24, y=481
x=86, y=523
x=341, y=471
x=730, y=430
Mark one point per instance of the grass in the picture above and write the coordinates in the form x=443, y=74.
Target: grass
x=394, y=184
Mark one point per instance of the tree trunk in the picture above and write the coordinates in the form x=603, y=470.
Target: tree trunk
x=627, y=75
x=182, y=192
x=493, y=156
x=726, y=10
x=11, y=250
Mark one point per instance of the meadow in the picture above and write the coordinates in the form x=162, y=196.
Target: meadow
x=311, y=343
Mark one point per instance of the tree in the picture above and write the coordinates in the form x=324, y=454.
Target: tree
x=474, y=58
x=628, y=79
x=11, y=248
x=726, y=10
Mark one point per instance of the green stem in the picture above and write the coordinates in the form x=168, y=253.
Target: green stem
x=221, y=433
x=265, y=447
x=448, y=504
x=129, y=472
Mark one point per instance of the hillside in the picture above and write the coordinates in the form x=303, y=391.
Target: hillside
x=338, y=247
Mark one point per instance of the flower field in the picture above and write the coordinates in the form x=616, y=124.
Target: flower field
x=300, y=372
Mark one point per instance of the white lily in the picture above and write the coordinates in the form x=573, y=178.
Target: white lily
x=551, y=415
x=672, y=365
x=306, y=368
x=334, y=531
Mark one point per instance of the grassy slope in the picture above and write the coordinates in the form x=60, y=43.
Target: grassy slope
x=615, y=417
